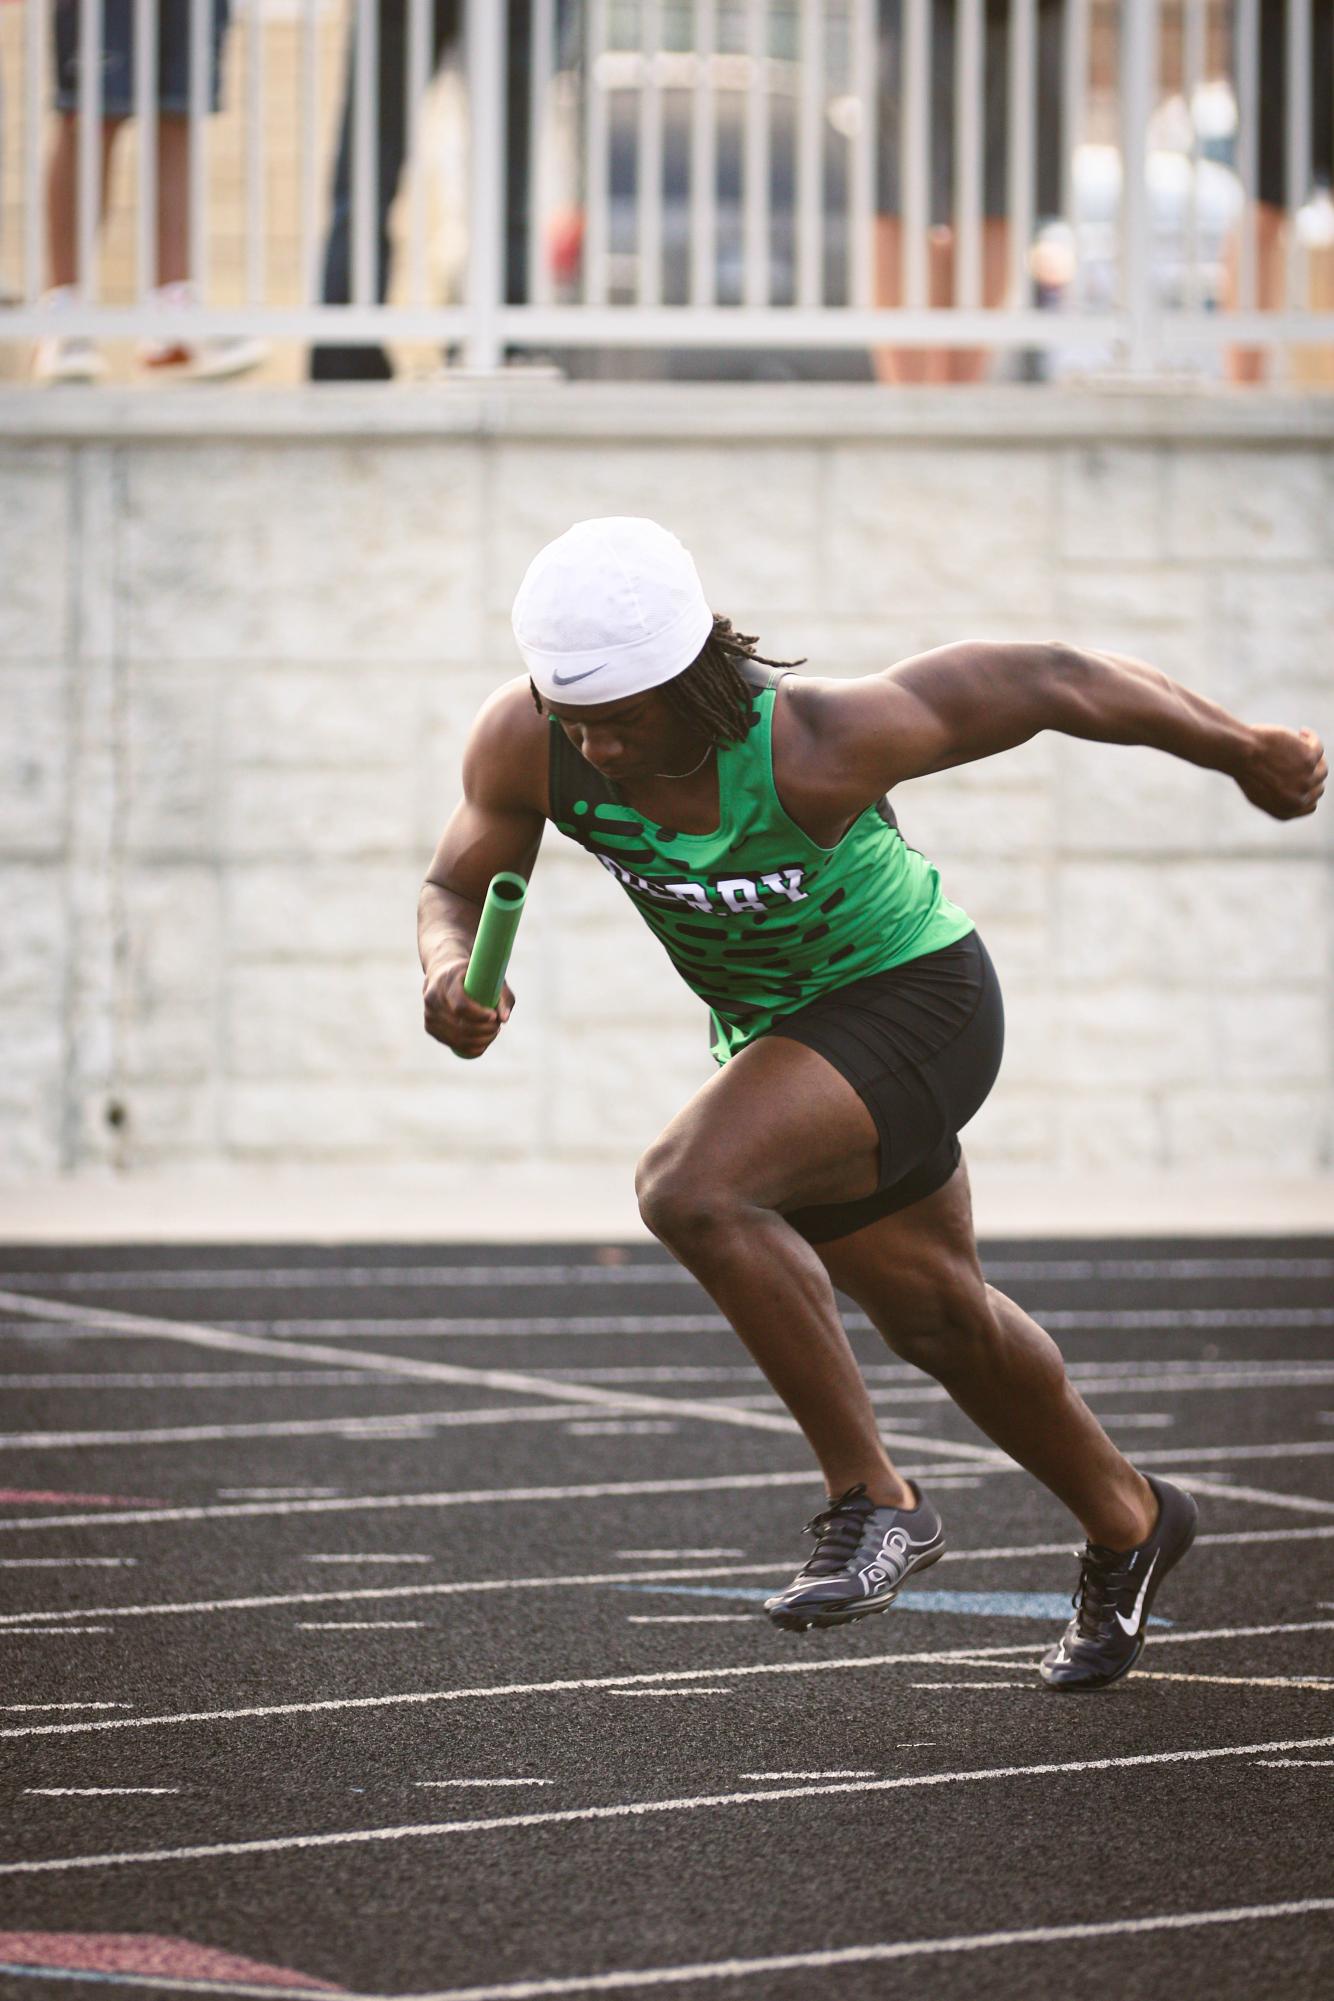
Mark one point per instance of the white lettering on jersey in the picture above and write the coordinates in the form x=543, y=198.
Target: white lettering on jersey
x=689, y=892
x=739, y=893
x=786, y=882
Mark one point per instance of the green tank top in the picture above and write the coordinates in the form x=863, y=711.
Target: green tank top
x=756, y=917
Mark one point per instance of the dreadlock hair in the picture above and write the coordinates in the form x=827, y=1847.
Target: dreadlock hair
x=711, y=695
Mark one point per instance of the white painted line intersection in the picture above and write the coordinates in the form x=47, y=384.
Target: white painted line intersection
x=592, y=1685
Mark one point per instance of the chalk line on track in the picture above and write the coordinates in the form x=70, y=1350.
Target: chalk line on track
x=447, y=1372
x=477, y=1497
x=372, y=1428
x=483, y=1327
x=462, y=1586
x=588, y=1685
x=811, y=1962
x=887, y=1383
x=84, y=1323
x=657, y=1272
x=644, y=1809
x=730, y=1969
x=1224, y=1490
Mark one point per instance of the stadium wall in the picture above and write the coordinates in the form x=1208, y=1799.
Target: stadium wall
x=243, y=636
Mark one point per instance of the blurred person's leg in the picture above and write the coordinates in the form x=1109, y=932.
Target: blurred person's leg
x=963, y=364
x=62, y=195
x=329, y=361
x=173, y=199
x=911, y=364
x=63, y=357
x=1251, y=364
x=175, y=290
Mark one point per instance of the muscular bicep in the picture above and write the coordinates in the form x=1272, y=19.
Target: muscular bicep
x=499, y=821
x=477, y=843
x=947, y=707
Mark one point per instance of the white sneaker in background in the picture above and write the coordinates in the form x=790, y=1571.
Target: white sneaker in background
x=65, y=357
x=198, y=360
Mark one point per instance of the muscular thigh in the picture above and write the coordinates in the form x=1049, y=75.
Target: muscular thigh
x=777, y=1125
x=903, y=1268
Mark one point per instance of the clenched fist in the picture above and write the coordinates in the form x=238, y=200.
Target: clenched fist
x=1285, y=771
x=461, y=1024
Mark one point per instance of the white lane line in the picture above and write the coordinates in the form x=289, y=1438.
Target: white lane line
x=669, y=1691
x=315, y=1427
x=1301, y=1764
x=478, y=1497
x=205, y=1379
x=864, y=1773
x=1033, y=1687
x=1325, y=1682
x=484, y=1782
x=437, y=1372
x=1188, y=1455
x=92, y=1792
x=279, y=1493
x=66, y=1705
x=67, y=1562
x=49, y=1632
x=680, y=1552
x=93, y=1321
x=341, y=1556
x=174, y=1607
x=361, y=1594
x=643, y=1809
x=359, y=1626
x=856, y=1955
x=1226, y=1490
x=844, y=1664
x=690, y=1618
x=341, y=1278
x=608, y=1427
x=1167, y=1374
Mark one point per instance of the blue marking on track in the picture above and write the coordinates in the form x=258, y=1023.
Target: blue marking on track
x=982, y=1604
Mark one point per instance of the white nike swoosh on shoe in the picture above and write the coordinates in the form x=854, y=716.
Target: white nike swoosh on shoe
x=1131, y=1625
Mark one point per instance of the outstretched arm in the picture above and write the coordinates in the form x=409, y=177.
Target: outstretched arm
x=969, y=701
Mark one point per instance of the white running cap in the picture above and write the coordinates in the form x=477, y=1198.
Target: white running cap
x=611, y=607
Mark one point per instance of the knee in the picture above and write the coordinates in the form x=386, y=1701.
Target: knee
x=941, y=1322
x=677, y=1201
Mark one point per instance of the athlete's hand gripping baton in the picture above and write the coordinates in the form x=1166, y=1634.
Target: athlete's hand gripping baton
x=495, y=939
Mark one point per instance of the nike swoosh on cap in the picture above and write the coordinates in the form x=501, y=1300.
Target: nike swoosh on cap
x=567, y=680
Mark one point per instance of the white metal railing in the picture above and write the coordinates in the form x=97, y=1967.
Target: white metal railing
x=699, y=173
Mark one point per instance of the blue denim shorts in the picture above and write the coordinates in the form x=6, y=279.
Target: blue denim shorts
x=173, y=55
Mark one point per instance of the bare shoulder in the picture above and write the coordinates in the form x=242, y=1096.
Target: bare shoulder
x=505, y=763
x=818, y=718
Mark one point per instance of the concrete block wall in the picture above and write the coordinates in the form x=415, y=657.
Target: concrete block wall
x=243, y=637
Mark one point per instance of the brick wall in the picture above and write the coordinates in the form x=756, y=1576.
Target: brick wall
x=243, y=639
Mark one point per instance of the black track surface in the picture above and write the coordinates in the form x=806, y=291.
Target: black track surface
x=1210, y=1361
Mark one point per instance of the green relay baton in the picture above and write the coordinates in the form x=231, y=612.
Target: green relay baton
x=495, y=939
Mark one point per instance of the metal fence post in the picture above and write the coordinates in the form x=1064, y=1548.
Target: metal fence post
x=1139, y=78
x=487, y=33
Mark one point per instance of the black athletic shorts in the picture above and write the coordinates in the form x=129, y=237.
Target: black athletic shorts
x=921, y=1046
x=173, y=56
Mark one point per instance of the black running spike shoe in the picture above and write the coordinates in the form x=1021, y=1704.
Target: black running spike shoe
x=863, y=1557
x=1112, y=1599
